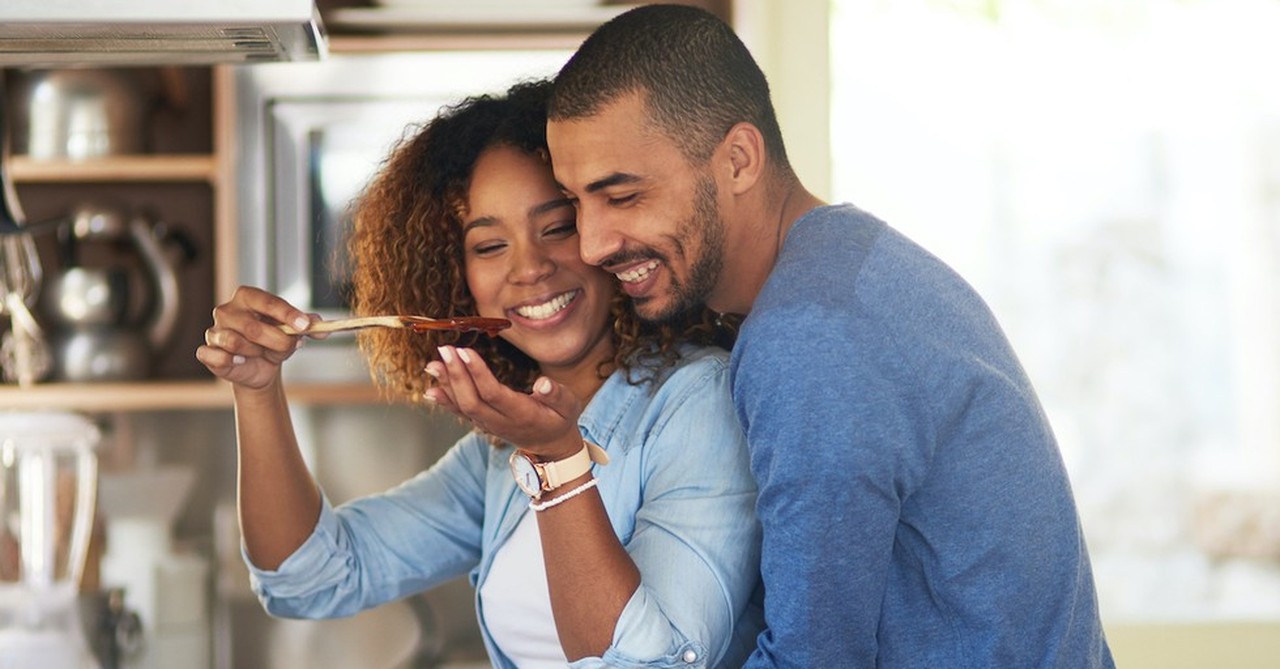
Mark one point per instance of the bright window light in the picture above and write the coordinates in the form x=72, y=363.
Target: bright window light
x=1107, y=174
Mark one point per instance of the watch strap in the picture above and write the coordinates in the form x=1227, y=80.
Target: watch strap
x=598, y=455
x=560, y=472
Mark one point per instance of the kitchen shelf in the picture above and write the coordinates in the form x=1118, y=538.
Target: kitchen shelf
x=116, y=169
x=167, y=395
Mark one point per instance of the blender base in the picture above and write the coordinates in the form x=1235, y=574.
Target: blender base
x=24, y=649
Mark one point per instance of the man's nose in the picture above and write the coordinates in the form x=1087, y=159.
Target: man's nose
x=598, y=237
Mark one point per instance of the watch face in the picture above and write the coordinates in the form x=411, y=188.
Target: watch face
x=526, y=476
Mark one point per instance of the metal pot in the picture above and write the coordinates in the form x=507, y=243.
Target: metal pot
x=81, y=113
x=101, y=354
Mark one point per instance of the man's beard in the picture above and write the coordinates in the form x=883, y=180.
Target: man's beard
x=706, y=227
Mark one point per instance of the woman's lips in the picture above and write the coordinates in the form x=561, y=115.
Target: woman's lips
x=546, y=309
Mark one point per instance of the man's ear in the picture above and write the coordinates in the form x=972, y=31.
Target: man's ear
x=744, y=153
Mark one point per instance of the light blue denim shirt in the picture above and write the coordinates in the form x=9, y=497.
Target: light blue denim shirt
x=678, y=491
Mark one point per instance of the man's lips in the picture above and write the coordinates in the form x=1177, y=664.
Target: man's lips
x=639, y=279
x=637, y=273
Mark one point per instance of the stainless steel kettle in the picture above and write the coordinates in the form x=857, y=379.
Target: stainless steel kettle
x=106, y=329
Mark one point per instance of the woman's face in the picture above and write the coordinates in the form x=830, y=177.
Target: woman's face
x=521, y=247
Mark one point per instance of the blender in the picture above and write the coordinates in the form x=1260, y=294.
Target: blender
x=48, y=485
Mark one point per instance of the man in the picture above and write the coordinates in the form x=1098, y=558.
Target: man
x=915, y=506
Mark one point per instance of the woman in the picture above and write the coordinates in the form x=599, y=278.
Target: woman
x=648, y=560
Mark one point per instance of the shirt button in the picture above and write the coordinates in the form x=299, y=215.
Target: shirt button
x=690, y=657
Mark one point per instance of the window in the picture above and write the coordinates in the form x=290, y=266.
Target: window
x=1107, y=174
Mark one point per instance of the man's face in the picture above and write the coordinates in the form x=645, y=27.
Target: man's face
x=644, y=213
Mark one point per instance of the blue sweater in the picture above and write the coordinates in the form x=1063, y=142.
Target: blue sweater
x=915, y=507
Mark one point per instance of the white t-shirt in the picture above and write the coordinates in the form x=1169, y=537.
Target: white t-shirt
x=517, y=603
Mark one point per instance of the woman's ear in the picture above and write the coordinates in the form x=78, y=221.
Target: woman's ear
x=744, y=153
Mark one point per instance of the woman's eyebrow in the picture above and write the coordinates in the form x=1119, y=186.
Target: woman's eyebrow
x=481, y=222
x=549, y=205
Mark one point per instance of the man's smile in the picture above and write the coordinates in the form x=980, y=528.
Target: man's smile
x=637, y=273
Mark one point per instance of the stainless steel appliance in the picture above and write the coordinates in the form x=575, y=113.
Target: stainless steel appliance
x=82, y=113
x=51, y=33
x=110, y=320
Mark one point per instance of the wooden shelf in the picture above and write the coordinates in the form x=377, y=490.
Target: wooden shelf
x=166, y=395
x=117, y=169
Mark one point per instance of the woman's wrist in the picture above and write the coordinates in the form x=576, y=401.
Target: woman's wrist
x=564, y=492
x=557, y=450
x=272, y=391
x=567, y=486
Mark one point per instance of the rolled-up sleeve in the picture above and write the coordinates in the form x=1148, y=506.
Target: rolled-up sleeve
x=696, y=540
x=386, y=546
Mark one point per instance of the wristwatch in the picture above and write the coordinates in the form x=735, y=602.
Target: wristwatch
x=536, y=478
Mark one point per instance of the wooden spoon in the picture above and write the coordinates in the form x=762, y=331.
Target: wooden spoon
x=489, y=326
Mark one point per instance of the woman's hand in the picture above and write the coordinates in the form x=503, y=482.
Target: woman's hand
x=244, y=345
x=543, y=423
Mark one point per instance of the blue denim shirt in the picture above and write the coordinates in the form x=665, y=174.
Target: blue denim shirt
x=678, y=491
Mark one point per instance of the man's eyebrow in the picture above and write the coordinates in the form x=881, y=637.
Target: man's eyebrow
x=615, y=179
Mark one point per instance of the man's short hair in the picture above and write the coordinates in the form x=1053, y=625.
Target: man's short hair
x=696, y=77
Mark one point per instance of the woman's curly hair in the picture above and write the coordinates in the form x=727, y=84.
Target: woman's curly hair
x=406, y=252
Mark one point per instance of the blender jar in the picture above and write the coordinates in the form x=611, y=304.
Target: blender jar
x=48, y=485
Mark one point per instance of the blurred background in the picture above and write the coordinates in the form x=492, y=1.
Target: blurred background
x=1107, y=174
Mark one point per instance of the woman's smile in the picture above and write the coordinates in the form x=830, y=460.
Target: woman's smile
x=541, y=311
x=522, y=263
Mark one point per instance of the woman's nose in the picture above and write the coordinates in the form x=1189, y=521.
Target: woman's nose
x=531, y=265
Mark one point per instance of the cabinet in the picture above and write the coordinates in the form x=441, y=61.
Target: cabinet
x=186, y=181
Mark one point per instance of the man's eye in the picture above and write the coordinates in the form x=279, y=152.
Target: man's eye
x=623, y=199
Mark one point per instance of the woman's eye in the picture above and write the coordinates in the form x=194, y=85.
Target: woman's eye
x=562, y=229
x=487, y=248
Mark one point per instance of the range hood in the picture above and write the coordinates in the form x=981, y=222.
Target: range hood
x=62, y=33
